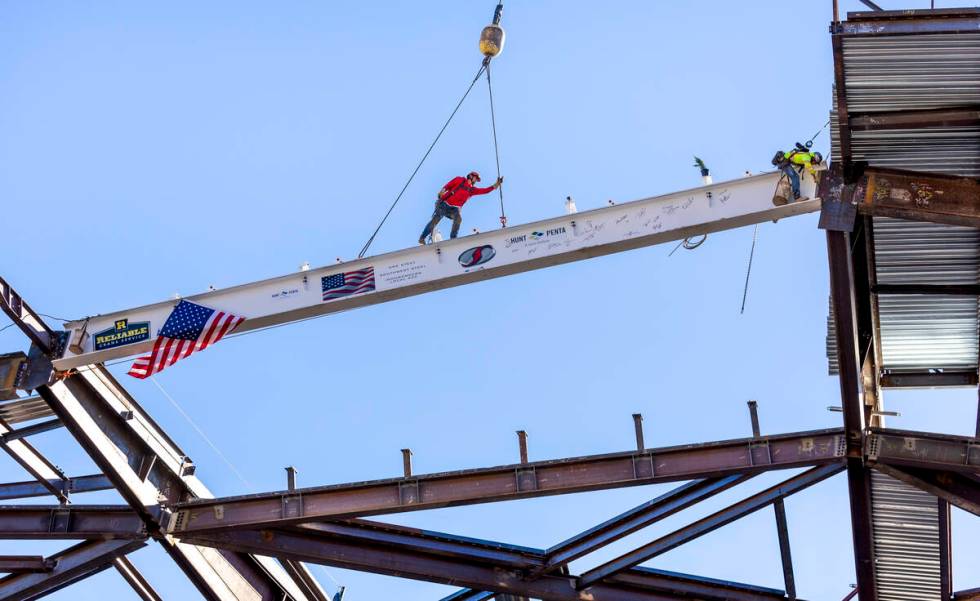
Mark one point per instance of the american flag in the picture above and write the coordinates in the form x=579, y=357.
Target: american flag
x=190, y=328
x=347, y=283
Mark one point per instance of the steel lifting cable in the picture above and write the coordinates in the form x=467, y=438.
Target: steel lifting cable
x=367, y=244
x=748, y=271
x=496, y=151
x=814, y=136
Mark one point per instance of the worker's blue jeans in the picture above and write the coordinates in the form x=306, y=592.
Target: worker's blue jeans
x=794, y=179
x=443, y=210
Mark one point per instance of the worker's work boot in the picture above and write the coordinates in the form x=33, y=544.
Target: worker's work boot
x=802, y=198
x=421, y=241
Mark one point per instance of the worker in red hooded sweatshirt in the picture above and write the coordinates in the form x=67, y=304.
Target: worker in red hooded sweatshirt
x=451, y=199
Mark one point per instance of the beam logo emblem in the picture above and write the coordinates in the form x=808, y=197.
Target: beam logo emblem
x=122, y=332
x=477, y=256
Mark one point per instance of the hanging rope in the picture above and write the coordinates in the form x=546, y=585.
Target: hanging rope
x=688, y=244
x=809, y=142
x=496, y=151
x=745, y=291
x=367, y=244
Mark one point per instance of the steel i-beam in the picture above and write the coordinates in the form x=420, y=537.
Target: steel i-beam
x=708, y=524
x=70, y=566
x=534, y=479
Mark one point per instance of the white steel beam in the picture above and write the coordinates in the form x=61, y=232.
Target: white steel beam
x=417, y=270
x=148, y=468
x=46, y=473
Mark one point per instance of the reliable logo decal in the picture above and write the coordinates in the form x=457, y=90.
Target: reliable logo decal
x=477, y=256
x=121, y=333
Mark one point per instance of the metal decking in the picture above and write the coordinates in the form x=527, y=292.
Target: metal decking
x=906, y=540
x=929, y=71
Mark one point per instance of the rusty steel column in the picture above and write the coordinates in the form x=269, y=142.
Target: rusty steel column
x=858, y=477
x=945, y=551
x=522, y=443
x=136, y=580
x=779, y=509
x=407, y=462
x=638, y=427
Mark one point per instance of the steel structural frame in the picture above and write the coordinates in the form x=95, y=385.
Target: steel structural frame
x=71, y=565
x=724, y=459
x=946, y=466
x=144, y=465
x=854, y=287
x=727, y=462
x=147, y=468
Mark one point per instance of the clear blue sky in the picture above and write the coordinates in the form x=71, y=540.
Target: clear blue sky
x=147, y=150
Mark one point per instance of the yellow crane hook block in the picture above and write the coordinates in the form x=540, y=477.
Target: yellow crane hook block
x=492, y=37
x=492, y=40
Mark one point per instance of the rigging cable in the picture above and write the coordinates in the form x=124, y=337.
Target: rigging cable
x=745, y=291
x=419, y=166
x=496, y=152
x=809, y=142
x=214, y=448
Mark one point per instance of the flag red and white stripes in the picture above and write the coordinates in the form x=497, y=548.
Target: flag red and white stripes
x=190, y=328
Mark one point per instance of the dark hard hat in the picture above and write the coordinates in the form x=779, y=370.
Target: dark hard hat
x=474, y=175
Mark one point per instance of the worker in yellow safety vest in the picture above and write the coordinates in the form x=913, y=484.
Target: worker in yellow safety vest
x=793, y=163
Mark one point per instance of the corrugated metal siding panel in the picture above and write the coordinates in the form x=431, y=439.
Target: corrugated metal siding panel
x=906, y=540
x=910, y=73
x=923, y=332
x=949, y=150
x=833, y=367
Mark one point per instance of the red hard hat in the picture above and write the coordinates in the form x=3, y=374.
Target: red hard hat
x=474, y=174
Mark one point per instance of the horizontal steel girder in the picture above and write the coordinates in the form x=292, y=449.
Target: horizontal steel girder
x=924, y=449
x=626, y=523
x=915, y=119
x=36, y=464
x=708, y=524
x=694, y=586
x=427, y=541
x=468, y=594
x=905, y=22
x=541, y=478
x=70, y=522
x=690, y=587
x=935, y=379
x=959, y=490
x=25, y=564
x=32, y=488
x=910, y=195
x=639, y=517
x=355, y=553
x=71, y=565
